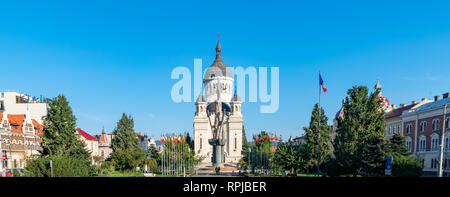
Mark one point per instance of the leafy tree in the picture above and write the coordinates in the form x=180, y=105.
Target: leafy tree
x=358, y=131
x=152, y=152
x=312, y=136
x=289, y=156
x=63, y=166
x=60, y=136
x=128, y=158
x=404, y=166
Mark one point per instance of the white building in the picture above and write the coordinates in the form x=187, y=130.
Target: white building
x=9, y=102
x=218, y=85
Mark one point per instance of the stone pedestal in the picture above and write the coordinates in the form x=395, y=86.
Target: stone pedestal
x=218, y=152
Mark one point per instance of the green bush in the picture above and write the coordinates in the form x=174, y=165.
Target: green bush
x=63, y=166
x=151, y=164
x=128, y=159
x=404, y=166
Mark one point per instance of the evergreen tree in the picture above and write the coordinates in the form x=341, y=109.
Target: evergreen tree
x=403, y=165
x=312, y=135
x=127, y=153
x=373, y=156
x=124, y=136
x=189, y=141
x=60, y=136
x=245, y=143
x=397, y=145
x=358, y=131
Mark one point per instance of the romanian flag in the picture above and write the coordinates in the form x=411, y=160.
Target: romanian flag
x=321, y=83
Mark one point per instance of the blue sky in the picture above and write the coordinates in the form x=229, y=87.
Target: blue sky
x=110, y=57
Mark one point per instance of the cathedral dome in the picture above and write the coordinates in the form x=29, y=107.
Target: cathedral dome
x=218, y=68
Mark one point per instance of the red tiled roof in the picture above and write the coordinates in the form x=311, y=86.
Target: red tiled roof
x=16, y=121
x=102, y=137
x=398, y=111
x=86, y=135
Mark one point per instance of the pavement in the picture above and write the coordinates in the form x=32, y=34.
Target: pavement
x=207, y=170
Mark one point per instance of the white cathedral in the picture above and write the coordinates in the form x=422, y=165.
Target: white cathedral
x=218, y=86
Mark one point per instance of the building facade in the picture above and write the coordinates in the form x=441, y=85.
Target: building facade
x=20, y=129
x=19, y=139
x=104, y=144
x=423, y=128
x=218, y=86
x=393, y=119
x=90, y=142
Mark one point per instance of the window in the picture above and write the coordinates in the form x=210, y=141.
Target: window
x=447, y=122
x=435, y=124
x=408, y=145
x=447, y=143
x=235, y=143
x=435, y=144
x=201, y=143
x=5, y=124
x=434, y=163
x=422, y=144
x=423, y=126
x=408, y=128
x=398, y=129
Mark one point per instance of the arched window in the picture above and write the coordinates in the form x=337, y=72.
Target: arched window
x=435, y=124
x=408, y=128
x=5, y=124
x=423, y=126
x=422, y=143
x=434, y=142
x=408, y=143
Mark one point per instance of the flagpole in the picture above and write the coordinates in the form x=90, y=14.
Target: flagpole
x=318, y=141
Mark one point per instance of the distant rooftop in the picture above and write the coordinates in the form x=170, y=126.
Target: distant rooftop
x=398, y=111
x=432, y=105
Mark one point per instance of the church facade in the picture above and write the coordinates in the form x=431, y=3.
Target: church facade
x=218, y=86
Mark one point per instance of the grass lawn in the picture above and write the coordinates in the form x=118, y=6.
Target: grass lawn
x=125, y=174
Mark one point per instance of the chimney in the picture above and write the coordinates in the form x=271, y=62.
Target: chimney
x=413, y=102
x=403, y=105
x=445, y=95
x=436, y=98
x=394, y=106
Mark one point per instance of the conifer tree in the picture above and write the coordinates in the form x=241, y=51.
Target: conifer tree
x=60, y=136
x=312, y=135
x=397, y=145
x=358, y=132
x=124, y=136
